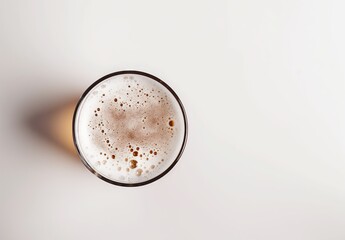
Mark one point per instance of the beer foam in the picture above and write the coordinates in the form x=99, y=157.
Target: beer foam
x=129, y=128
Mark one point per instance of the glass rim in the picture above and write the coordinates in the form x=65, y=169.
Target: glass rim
x=168, y=169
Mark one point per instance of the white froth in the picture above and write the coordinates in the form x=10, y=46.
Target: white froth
x=121, y=114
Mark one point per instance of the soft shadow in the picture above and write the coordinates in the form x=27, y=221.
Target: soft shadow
x=53, y=123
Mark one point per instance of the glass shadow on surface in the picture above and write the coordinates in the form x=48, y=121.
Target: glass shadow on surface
x=54, y=124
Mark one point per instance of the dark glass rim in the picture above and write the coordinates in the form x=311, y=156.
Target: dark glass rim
x=184, y=120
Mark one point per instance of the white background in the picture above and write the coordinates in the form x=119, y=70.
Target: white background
x=263, y=84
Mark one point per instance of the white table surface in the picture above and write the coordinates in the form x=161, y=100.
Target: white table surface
x=263, y=83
